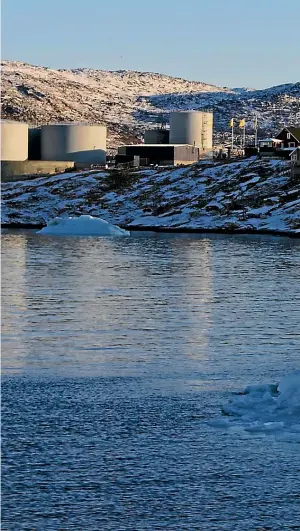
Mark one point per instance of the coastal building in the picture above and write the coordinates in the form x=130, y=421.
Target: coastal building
x=188, y=139
x=280, y=146
x=270, y=143
x=269, y=147
x=162, y=154
x=289, y=137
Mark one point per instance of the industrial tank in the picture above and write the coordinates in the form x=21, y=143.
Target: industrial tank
x=207, y=131
x=191, y=127
x=14, y=141
x=74, y=142
x=156, y=136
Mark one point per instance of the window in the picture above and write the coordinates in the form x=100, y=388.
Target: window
x=288, y=136
x=292, y=144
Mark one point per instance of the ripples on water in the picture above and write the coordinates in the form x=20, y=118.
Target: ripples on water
x=116, y=356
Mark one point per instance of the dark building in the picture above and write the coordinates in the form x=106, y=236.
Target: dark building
x=273, y=149
x=290, y=137
x=128, y=160
x=162, y=154
x=251, y=151
x=281, y=146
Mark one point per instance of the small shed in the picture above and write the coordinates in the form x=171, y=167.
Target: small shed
x=295, y=155
x=272, y=143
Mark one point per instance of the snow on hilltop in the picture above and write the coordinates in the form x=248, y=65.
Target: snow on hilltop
x=129, y=101
x=248, y=194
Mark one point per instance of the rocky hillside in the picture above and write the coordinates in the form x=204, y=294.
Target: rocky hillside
x=41, y=95
x=128, y=102
x=248, y=194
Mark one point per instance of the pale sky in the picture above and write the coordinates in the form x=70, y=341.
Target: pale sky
x=233, y=43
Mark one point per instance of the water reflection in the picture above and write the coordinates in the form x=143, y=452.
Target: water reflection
x=99, y=299
x=13, y=300
x=142, y=303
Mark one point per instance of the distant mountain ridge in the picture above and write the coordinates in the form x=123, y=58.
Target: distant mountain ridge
x=129, y=101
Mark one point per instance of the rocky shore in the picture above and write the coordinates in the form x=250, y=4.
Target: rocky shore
x=249, y=195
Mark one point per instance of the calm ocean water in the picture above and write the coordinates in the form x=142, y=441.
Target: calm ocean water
x=118, y=355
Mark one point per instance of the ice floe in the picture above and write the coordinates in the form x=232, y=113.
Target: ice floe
x=266, y=409
x=82, y=225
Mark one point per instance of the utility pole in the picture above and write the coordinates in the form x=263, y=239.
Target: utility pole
x=231, y=124
x=243, y=127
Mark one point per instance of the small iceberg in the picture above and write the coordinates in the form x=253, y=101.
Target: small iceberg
x=82, y=226
x=266, y=409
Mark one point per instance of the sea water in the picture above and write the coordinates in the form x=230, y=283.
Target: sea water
x=150, y=382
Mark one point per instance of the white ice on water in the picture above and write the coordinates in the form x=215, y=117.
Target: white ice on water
x=82, y=226
x=266, y=409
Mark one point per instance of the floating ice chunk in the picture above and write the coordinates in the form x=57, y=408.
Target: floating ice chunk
x=289, y=389
x=220, y=423
x=264, y=427
x=82, y=225
x=267, y=409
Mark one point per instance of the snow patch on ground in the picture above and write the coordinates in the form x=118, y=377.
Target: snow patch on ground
x=200, y=196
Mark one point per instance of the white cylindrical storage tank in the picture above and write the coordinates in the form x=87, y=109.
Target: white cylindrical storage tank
x=14, y=140
x=191, y=127
x=74, y=142
x=186, y=128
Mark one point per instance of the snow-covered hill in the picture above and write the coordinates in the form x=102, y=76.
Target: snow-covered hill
x=249, y=194
x=128, y=101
